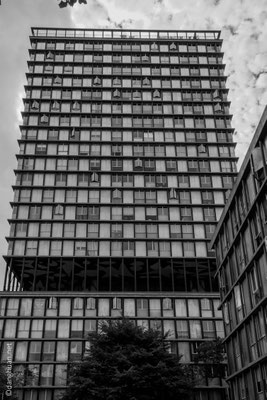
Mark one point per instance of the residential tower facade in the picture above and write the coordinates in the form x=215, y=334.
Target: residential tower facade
x=240, y=241
x=125, y=163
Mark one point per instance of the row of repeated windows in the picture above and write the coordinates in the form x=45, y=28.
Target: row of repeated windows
x=102, y=307
x=173, y=83
x=47, y=93
x=116, y=230
x=249, y=343
x=70, y=34
x=125, y=136
x=78, y=328
x=126, y=165
x=127, y=59
x=115, y=212
x=172, y=196
x=88, y=46
x=245, y=248
x=245, y=295
x=122, y=150
x=74, y=350
x=253, y=382
x=105, y=248
x=131, y=70
x=106, y=108
x=111, y=274
x=246, y=214
x=125, y=180
x=127, y=122
x=253, y=230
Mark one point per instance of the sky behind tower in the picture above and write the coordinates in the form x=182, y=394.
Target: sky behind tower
x=244, y=30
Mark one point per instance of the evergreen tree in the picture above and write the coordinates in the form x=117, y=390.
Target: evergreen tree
x=127, y=362
x=211, y=358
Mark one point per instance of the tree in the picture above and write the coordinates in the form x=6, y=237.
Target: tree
x=6, y=384
x=11, y=380
x=211, y=355
x=127, y=362
x=65, y=3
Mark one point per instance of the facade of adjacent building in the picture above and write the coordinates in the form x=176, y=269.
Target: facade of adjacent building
x=125, y=163
x=240, y=241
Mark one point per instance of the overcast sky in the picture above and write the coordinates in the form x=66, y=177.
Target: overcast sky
x=244, y=29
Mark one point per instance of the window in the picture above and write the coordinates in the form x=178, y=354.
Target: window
x=205, y=181
x=52, y=303
x=140, y=231
x=78, y=303
x=82, y=213
x=182, y=329
x=254, y=280
x=173, y=195
x=48, y=352
x=116, y=303
x=138, y=136
x=149, y=165
x=152, y=248
x=95, y=164
x=237, y=294
x=156, y=94
x=58, y=210
x=91, y=303
x=35, y=212
x=116, y=230
x=93, y=213
x=226, y=314
x=207, y=197
x=187, y=231
x=186, y=214
x=116, y=136
x=151, y=197
x=202, y=150
x=183, y=181
x=192, y=166
x=41, y=149
x=208, y=329
x=161, y=181
x=92, y=248
x=128, y=213
x=116, y=150
x=83, y=180
x=116, y=195
x=116, y=165
x=209, y=214
x=184, y=197
x=175, y=231
x=148, y=136
x=167, y=304
x=163, y=214
x=227, y=181
x=209, y=230
x=94, y=177
x=151, y=213
x=171, y=165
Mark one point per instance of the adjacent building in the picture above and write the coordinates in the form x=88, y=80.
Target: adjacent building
x=126, y=160
x=240, y=241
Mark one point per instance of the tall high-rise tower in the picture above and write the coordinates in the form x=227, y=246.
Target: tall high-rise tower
x=126, y=158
